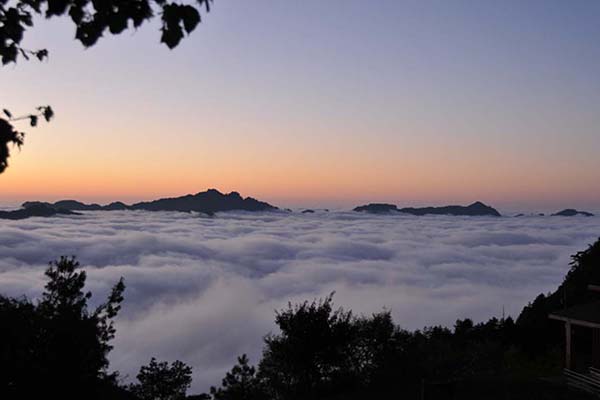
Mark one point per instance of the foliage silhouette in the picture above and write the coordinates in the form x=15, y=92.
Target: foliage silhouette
x=161, y=381
x=10, y=136
x=312, y=356
x=536, y=332
x=324, y=353
x=58, y=347
x=241, y=383
x=92, y=19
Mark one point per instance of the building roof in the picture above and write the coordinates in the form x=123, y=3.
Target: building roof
x=582, y=314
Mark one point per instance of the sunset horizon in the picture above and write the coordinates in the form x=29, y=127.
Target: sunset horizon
x=337, y=201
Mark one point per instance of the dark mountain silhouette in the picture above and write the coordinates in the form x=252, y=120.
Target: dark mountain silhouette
x=208, y=202
x=308, y=211
x=377, y=208
x=35, y=210
x=570, y=212
x=28, y=204
x=475, y=209
x=73, y=205
x=116, y=205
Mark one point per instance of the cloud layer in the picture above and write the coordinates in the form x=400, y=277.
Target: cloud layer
x=204, y=290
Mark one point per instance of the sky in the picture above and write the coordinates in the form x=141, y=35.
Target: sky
x=322, y=103
x=205, y=290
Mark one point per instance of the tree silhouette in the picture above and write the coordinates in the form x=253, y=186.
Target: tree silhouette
x=161, y=381
x=241, y=383
x=92, y=20
x=313, y=354
x=58, y=347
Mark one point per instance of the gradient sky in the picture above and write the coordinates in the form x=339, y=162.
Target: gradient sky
x=330, y=102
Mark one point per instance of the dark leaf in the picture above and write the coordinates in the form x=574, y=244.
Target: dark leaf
x=56, y=7
x=26, y=19
x=7, y=113
x=76, y=14
x=48, y=113
x=117, y=23
x=11, y=24
x=191, y=18
x=33, y=120
x=9, y=54
x=171, y=35
x=140, y=13
x=41, y=54
x=88, y=33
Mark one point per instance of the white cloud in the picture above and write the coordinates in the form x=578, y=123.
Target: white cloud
x=204, y=290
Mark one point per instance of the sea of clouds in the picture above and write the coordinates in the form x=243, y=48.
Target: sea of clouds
x=204, y=290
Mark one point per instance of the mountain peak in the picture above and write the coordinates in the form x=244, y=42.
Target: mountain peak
x=478, y=204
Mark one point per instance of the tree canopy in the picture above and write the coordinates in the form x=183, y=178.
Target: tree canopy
x=57, y=345
x=241, y=383
x=161, y=381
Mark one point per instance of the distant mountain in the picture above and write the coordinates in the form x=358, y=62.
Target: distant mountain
x=377, y=208
x=28, y=204
x=115, y=206
x=570, y=212
x=35, y=210
x=72, y=205
x=475, y=209
x=208, y=202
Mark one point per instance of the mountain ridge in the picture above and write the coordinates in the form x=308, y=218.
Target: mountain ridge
x=35, y=210
x=571, y=212
x=474, y=209
x=208, y=202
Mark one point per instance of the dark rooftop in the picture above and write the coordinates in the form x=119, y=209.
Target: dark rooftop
x=583, y=312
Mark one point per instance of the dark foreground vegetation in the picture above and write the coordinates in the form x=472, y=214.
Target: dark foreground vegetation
x=57, y=347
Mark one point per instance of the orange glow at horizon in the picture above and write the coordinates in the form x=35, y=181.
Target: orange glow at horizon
x=358, y=171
